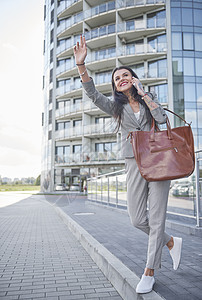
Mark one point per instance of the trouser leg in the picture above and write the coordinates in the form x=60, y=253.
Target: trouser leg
x=157, y=198
x=138, y=192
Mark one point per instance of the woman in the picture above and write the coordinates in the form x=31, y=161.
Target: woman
x=133, y=110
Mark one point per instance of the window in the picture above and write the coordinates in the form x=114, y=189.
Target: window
x=67, y=125
x=51, y=75
x=130, y=25
x=176, y=40
x=50, y=116
x=105, y=147
x=139, y=70
x=175, y=16
x=198, y=66
x=50, y=135
x=77, y=123
x=59, y=126
x=77, y=148
x=187, y=18
x=177, y=66
x=52, y=16
x=51, y=55
x=158, y=68
x=189, y=92
x=161, y=91
x=197, y=17
x=188, y=42
x=198, y=41
x=188, y=66
x=52, y=35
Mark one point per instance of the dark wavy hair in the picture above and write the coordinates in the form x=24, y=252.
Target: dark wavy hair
x=121, y=99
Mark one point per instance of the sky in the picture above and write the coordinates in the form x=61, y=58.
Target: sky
x=21, y=95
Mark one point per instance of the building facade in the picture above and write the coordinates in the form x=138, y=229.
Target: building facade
x=160, y=39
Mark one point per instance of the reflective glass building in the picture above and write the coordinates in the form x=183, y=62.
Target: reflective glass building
x=162, y=42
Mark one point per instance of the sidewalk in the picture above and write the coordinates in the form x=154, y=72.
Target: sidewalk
x=41, y=259
x=113, y=230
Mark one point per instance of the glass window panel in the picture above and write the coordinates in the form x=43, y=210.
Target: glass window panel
x=188, y=43
x=162, y=68
x=190, y=116
x=67, y=150
x=111, y=28
x=187, y=18
x=77, y=148
x=198, y=66
x=153, y=69
x=162, y=93
x=199, y=92
x=197, y=17
x=199, y=113
x=189, y=92
x=175, y=16
x=176, y=40
x=67, y=125
x=177, y=66
x=107, y=147
x=162, y=45
x=139, y=23
x=103, y=30
x=152, y=44
x=139, y=70
x=130, y=25
x=188, y=66
x=161, y=17
x=189, y=105
x=77, y=123
x=151, y=20
x=198, y=41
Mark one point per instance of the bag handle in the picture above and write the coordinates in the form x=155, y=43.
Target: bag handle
x=152, y=135
x=172, y=112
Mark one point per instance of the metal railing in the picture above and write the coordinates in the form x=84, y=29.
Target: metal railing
x=184, y=200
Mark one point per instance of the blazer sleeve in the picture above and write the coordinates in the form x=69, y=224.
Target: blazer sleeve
x=158, y=113
x=101, y=101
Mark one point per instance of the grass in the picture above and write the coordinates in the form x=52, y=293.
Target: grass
x=18, y=187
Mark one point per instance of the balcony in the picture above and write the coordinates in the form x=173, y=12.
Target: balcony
x=101, y=14
x=69, y=7
x=97, y=130
x=72, y=133
x=136, y=29
x=70, y=26
x=132, y=8
x=68, y=90
x=91, y=158
x=69, y=111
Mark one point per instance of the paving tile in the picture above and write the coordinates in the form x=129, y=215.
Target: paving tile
x=41, y=259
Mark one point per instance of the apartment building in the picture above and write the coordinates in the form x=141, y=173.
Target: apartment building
x=160, y=39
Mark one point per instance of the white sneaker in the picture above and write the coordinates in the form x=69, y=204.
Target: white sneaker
x=175, y=252
x=145, y=285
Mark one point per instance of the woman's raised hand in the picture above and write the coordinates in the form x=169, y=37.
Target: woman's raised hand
x=137, y=84
x=80, y=51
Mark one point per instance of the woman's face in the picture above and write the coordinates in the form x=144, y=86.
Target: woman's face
x=122, y=80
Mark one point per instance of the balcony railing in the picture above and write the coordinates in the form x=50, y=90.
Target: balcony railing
x=101, y=31
x=65, y=4
x=69, y=109
x=88, y=157
x=100, y=129
x=66, y=88
x=185, y=196
x=99, y=9
x=68, y=133
x=128, y=3
x=64, y=24
x=141, y=25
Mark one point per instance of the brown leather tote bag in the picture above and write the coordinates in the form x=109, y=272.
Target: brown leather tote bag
x=166, y=154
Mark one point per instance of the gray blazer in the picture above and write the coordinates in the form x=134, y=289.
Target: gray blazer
x=129, y=122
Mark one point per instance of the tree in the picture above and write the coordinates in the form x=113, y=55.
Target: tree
x=38, y=180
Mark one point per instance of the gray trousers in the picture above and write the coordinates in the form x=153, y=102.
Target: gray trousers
x=139, y=193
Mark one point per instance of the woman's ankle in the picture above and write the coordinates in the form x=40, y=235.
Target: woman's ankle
x=170, y=244
x=149, y=272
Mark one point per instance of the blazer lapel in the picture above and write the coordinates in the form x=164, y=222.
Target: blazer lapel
x=131, y=115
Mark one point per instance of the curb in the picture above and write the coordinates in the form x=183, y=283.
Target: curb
x=122, y=278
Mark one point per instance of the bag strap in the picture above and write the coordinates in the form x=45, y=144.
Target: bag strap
x=177, y=116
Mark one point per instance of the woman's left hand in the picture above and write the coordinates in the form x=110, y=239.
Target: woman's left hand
x=137, y=84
